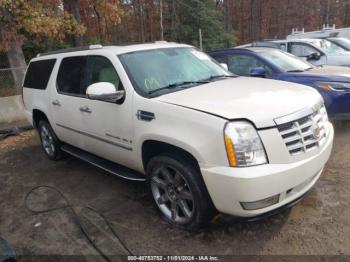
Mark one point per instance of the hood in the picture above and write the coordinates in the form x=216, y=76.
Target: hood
x=258, y=100
x=321, y=73
x=330, y=71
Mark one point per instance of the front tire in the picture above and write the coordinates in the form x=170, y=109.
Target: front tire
x=179, y=192
x=49, y=141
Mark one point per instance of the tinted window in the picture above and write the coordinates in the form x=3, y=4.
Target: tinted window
x=243, y=64
x=221, y=59
x=100, y=69
x=38, y=74
x=70, y=78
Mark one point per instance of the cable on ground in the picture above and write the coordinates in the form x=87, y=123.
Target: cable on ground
x=76, y=218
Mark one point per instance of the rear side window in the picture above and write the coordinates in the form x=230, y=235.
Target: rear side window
x=242, y=64
x=38, y=74
x=70, y=78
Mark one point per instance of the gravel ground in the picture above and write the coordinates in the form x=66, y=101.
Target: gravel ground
x=318, y=225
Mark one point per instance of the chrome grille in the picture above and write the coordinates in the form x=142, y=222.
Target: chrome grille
x=306, y=132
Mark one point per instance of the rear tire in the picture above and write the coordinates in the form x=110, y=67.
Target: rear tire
x=179, y=192
x=49, y=141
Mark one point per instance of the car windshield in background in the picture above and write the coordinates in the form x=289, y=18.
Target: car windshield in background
x=327, y=46
x=285, y=62
x=343, y=42
x=171, y=68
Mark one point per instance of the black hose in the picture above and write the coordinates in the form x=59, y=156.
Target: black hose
x=76, y=218
x=7, y=254
x=13, y=131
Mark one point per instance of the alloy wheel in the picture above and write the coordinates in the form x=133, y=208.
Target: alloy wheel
x=172, y=194
x=47, y=140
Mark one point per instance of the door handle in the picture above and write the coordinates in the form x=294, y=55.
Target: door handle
x=56, y=103
x=85, y=109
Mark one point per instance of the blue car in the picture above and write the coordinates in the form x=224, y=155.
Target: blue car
x=333, y=82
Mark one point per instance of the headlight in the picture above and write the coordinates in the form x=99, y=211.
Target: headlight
x=243, y=145
x=334, y=86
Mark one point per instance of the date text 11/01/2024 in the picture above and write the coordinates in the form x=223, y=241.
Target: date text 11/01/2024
x=173, y=258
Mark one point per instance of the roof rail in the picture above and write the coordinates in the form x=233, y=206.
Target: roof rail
x=73, y=49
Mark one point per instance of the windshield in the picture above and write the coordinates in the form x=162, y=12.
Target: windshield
x=343, y=42
x=170, y=68
x=285, y=62
x=327, y=46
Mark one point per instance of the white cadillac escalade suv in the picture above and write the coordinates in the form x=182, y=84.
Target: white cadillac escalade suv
x=203, y=139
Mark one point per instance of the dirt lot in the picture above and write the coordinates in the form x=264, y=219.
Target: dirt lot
x=319, y=225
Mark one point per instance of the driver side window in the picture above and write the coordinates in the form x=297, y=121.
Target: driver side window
x=243, y=64
x=100, y=69
x=302, y=50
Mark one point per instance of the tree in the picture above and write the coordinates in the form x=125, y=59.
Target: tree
x=39, y=20
x=101, y=17
x=73, y=7
x=192, y=15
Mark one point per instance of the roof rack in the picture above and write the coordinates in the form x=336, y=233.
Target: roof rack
x=73, y=49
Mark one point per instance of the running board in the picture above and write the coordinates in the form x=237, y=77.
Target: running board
x=109, y=166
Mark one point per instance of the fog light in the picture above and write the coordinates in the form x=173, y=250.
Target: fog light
x=260, y=203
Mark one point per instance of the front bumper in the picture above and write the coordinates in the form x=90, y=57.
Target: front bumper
x=337, y=103
x=229, y=187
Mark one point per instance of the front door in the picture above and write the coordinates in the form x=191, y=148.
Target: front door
x=304, y=51
x=108, y=126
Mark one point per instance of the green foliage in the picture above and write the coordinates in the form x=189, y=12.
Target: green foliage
x=194, y=14
x=31, y=47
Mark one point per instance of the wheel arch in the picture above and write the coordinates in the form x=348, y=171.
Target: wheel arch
x=151, y=148
x=37, y=116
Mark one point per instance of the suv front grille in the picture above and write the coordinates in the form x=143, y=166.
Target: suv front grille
x=305, y=133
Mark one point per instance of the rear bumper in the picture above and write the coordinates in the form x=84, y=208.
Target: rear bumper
x=230, y=187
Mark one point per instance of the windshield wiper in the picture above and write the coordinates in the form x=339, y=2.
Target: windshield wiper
x=295, y=71
x=178, y=84
x=218, y=76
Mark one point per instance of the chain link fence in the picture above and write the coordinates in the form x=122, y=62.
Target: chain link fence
x=11, y=81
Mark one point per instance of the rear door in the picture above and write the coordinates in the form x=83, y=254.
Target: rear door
x=67, y=99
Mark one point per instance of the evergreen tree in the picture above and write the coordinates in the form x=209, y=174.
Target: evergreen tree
x=184, y=19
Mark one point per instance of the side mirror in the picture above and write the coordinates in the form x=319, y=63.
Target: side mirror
x=314, y=56
x=104, y=91
x=258, y=72
x=224, y=65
